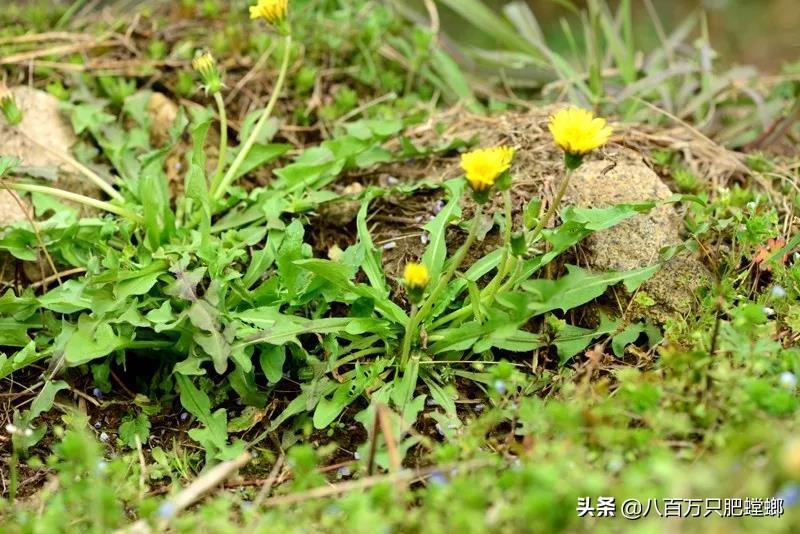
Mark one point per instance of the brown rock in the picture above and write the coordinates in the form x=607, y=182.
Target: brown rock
x=42, y=124
x=636, y=242
x=10, y=209
x=162, y=112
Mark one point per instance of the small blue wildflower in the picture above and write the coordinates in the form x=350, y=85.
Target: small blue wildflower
x=184, y=416
x=788, y=380
x=789, y=494
x=500, y=386
x=778, y=292
x=615, y=465
x=166, y=510
x=97, y=425
x=438, y=478
x=343, y=472
x=97, y=393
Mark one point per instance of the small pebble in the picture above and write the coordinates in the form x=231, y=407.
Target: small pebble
x=439, y=429
x=479, y=407
x=184, y=416
x=97, y=393
x=769, y=311
x=423, y=239
x=429, y=402
x=391, y=180
x=11, y=429
x=778, y=292
x=390, y=245
x=437, y=207
x=103, y=437
x=356, y=455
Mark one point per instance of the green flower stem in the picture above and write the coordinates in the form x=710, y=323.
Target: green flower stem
x=74, y=197
x=223, y=139
x=502, y=269
x=230, y=175
x=489, y=292
x=83, y=169
x=416, y=318
x=411, y=326
x=551, y=211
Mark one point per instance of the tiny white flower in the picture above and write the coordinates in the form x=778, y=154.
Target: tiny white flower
x=769, y=311
x=11, y=429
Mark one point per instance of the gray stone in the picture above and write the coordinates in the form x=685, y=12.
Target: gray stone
x=636, y=242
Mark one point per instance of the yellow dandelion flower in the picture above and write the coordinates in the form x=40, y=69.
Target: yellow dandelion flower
x=273, y=11
x=578, y=132
x=484, y=166
x=416, y=276
x=204, y=63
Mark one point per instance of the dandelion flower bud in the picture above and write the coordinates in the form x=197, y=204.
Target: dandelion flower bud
x=206, y=67
x=483, y=168
x=9, y=107
x=577, y=132
x=416, y=278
